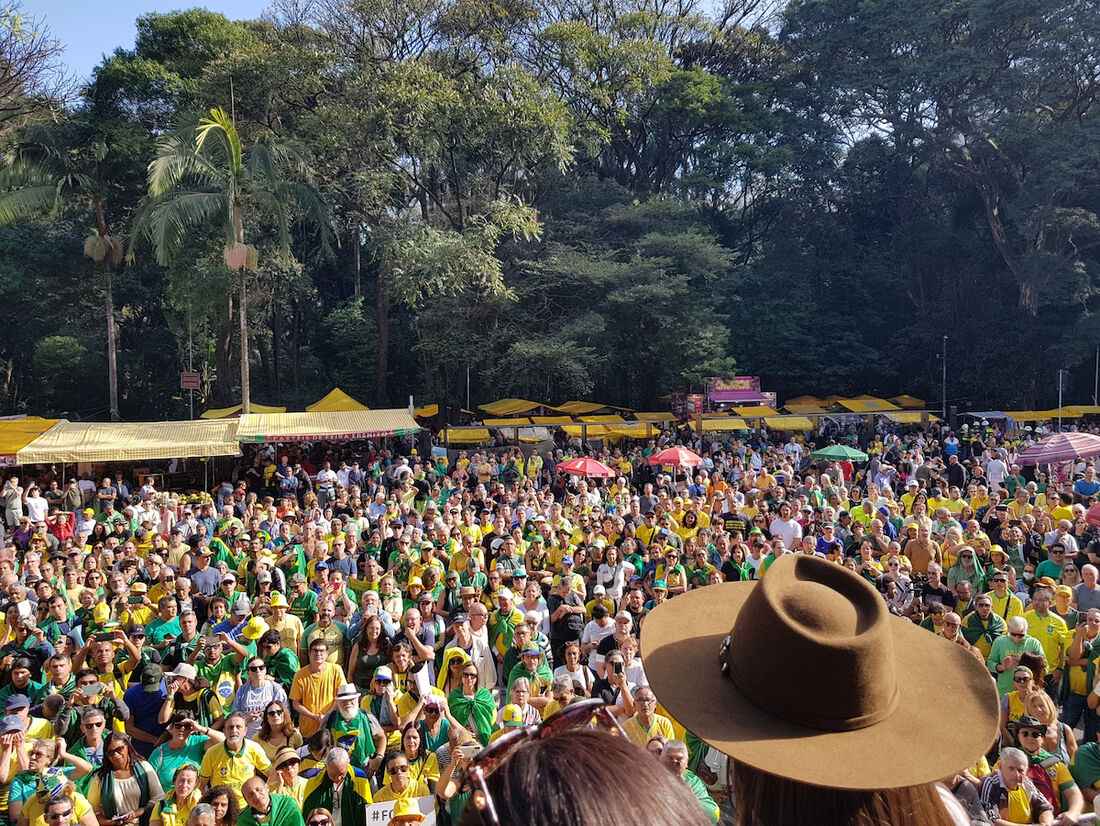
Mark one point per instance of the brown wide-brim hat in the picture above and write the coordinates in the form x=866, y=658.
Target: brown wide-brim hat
x=819, y=683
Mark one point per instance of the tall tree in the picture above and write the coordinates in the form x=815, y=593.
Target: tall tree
x=60, y=165
x=203, y=175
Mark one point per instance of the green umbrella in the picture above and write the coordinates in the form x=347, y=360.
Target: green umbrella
x=839, y=452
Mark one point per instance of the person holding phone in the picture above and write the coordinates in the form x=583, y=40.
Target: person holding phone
x=125, y=789
x=188, y=744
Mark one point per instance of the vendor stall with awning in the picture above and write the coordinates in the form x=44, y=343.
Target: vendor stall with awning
x=337, y=426
x=73, y=442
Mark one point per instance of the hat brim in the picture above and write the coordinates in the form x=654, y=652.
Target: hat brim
x=711, y=706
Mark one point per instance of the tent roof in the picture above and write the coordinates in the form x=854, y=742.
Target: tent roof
x=804, y=409
x=814, y=400
x=724, y=424
x=1076, y=410
x=514, y=422
x=343, y=425
x=552, y=420
x=427, y=411
x=336, y=400
x=581, y=408
x=226, y=412
x=132, y=441
x=465, y=436
x=606, y=417
x=756, y=410
x=910, y=417
x=511, y=407
x=867, y=404
x=908, y=402
x=16, y=434
x=789, y=423
x=656, y=416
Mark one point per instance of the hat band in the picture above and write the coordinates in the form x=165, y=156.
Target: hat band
x=802, y=716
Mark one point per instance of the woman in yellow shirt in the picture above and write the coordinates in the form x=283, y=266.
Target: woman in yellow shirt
x=181, y=798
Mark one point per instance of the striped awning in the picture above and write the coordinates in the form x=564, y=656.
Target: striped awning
x=311, y=427
x=132, y=441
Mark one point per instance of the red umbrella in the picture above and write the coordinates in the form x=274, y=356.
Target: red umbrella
x=1061, y=447
x=584, y=466
x=677, y=457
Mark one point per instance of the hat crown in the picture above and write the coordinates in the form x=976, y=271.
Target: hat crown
x=820, y=619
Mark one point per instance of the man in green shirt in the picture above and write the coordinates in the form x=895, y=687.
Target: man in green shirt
x=303, y=602
x=267, y=809
x=282, y=663
x=1004, y=656
x=675, y=755
x=166, y=627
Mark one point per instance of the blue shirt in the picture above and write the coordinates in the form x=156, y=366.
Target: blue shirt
x=144, y=708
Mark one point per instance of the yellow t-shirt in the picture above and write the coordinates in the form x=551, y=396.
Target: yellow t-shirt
x=1052, y=633
x=661, y=725
x=35, y=814
x=414, y=789
x=178, y=814
x=220, y=768
x=316, y=692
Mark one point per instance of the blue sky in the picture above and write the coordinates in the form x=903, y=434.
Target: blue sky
x=89, y=29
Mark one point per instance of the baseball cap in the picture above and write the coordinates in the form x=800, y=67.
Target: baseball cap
x=137, y=631
x=505, y=593
x=151, y=677
x=383, y=674
x=11, y=724
x=567, y=559
x=512, y=715
x=17, y=701
x=599, y=590
x=185, y=671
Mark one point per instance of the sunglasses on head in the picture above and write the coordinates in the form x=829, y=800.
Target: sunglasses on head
x=573, y=717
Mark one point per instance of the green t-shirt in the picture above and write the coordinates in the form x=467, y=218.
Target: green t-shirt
x=158, y=629
x=222, y=677
x=305, y=607
x=165, y=761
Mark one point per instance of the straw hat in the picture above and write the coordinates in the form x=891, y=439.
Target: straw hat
x=816, y=671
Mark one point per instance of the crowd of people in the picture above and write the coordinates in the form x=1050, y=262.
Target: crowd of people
x=343, y=624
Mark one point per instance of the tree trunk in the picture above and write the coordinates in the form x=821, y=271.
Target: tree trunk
x=246, y=389
x=112, y=362
x=246, y=407
x=223, y=354
x=276, y=334
x=382, y=391
x=358, y=264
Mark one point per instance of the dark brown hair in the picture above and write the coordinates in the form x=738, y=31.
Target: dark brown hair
x=586, y=777
x=764, y=799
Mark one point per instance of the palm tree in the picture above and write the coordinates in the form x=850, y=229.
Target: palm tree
x=50, y=167
x=204, y=176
